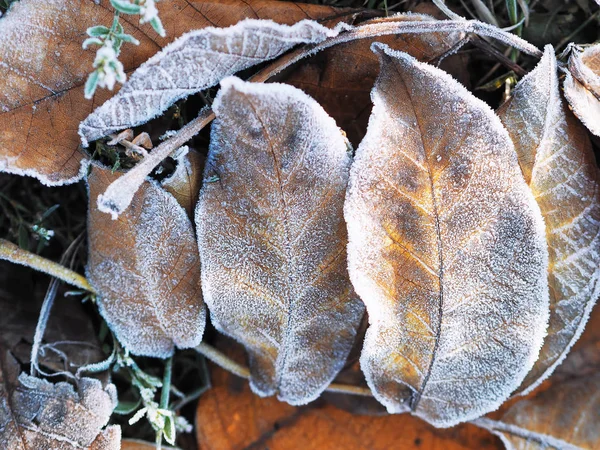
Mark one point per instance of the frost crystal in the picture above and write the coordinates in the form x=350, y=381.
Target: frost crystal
x=447, y=248
x=557, y=160
x=272, y=237
x=195, y=61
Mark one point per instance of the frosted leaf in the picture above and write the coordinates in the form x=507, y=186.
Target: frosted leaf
x=146, y=268
x=563, y=417
x=184, y=183
x=195, y=61
x=558, y=162
x=446, y=248
x=582, y=86
x=37, y=414
x=272, y=237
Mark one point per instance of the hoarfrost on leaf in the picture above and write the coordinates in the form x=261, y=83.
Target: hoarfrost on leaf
x=558, y=162
x=196, y=61
x=272, y=237
x=446, y=248
x=146, y=269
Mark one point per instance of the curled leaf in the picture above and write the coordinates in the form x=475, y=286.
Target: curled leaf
x=36, y=414
x=272, y=238
x=447, y=248
x=195, y=61
x=565, y=417
x=184, y=183
x=558, y=162
x=146, y=269
x=582, y=86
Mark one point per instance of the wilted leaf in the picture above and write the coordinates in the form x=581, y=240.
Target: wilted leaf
x=582, y=86
x=195, y=61
x=447, y=248
x=36, y=414
x=558, y=162
x=184, y=183
x=341, y=78
x=565, y=417
x=146, y=268
x=230, y=417
x=272, y=237
x=42, y=72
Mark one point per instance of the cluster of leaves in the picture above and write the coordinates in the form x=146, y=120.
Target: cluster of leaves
x=473, y=242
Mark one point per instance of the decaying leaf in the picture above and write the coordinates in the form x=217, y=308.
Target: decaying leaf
x=582, y=86
x=558, y=162
x=43, y=69
x=36, y=414
x=272, y=238
x=341, y=78
x=230, y=417
x=146, y=269
x=446, y=248
x=565, y=417
x=195, y=61
x=184, y=183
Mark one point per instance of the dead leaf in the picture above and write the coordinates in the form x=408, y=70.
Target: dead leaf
x=447, y=248
x=146, y=268
x=272, y=238
x=230, y=417
x=582, y=86
x=194, y=62
x=558, y=162
x=36, y=414
x=340, y=78
x=184, y=183
x=565, y=417
x=42, y=74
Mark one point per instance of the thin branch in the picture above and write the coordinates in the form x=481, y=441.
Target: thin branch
x=489, y=49
x=10, y=252
x=119, y=194
x=229, y=365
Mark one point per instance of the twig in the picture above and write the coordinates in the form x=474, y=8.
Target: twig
x=228, y=364
x=119, y=194
x=10, y=252
x=130, y=146
x=579, y=28
x=490, y=50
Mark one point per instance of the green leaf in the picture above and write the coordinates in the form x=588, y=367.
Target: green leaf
x=97, y=31
x=125, y=7
x=158, y=26
x=90, y=41
x=127, y=38
x=126, y=408
x=169, y=430
x=91, y=84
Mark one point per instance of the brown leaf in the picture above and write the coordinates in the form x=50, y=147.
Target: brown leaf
x=42, y=74
x=36, y=414
x=565, y=417
x=272, y=238
x=340, y=78
x=146, y=268
x=558, y=162
x=582, y=86
x=185, y=182
x=231, y=417
x=446, y=248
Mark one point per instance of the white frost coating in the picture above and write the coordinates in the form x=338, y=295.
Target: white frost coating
x=272, y=238
x=45, y=179
x=196, y=61
x=146, y=269
x=558, y=162
x=446, y=248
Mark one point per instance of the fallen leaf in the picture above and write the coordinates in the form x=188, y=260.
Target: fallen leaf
x=230, y=417
x=37, y=414
x=184, y=183
x=146, y=269
x=558, y=162
x=582, y=86
x=194, y=62
x=565, y=417
x=42, y=74
x=340, y=78
x=446, y=248
x=272, y=238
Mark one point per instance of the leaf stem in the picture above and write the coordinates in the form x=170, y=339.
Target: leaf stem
x=241, y=371
x=10, y=252
x=120, y=193
x=166, y=384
